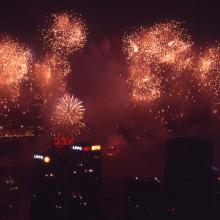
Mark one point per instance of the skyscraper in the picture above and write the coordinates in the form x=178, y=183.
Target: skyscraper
x=9, y=179
x=143, y=199
x=188, y=178
x=67, y=183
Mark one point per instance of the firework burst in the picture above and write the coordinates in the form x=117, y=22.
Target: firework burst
x=156, y=56
x=163, y=43
x=15, y=62
x=66, y=34
x=69, y=113
x=165, y=72
x=208, y=75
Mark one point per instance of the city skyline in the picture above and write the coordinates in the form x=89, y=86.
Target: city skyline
x=124, y=75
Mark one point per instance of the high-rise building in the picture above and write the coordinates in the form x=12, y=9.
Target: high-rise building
x=8, y=182
x=143, y=199
x=66, y=183
x=188, y=178
x=9, y=179
x=15, y=150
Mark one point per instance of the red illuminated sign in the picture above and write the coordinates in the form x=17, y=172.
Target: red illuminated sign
x=86, y=148
x=62, y=141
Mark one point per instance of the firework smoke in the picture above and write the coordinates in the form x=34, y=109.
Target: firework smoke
x=52, y=70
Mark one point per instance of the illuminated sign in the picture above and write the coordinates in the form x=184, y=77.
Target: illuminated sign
x=96, y=147
x=86, y=148
x=78, y=148
x=61, y=141
x=38, y=157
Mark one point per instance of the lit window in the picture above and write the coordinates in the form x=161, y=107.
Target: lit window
x=156, y=179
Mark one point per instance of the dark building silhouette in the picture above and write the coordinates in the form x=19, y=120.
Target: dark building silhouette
x=66, y=183
x=143, y=199
x=188, y=179
x=9, y=179
x=216, y=193
x=14, y=174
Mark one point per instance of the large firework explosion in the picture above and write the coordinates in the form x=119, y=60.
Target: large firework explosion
x=165, y=71
x=151, y=53
x=163, y=43
x=69, y=114
x=66, y=33
x=15, y=62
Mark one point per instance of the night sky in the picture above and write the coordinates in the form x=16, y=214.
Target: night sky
x=105, y=18
x=96, y=68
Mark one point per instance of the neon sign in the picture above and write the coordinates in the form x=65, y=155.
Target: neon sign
x=86, y=148
x=61, y=141
x=78, y=148
x=38, y=157
x=96, y=147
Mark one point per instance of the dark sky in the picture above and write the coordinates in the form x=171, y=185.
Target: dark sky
x=113, y=17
